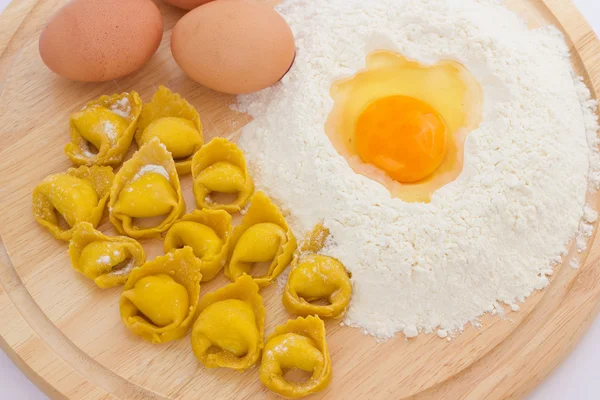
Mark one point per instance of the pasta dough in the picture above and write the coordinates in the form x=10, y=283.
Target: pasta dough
x=231, y=321
x=147, y=186
x=299, y=344
x=208, y=233
x=317, y=277
x=102, y=131
x=77, y=195
x=220, y=167
x=263, y=236
x=176, y=123
x=160, y=298
x=106, y=260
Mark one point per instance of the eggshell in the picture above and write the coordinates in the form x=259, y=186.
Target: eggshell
x=233, y=46
x=187, y=4
x=93, y=40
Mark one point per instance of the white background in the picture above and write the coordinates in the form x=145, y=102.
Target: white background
x=578, y=377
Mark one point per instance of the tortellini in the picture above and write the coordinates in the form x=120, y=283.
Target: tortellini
x=175, y=123
x=146, y=187
x=78, y=195
x=106, y=260
x=160, y=298
x=262, y=237
x=229, y=330
x=208, y=233
x=102, y=131
x=220, y=167
x=317, y=277
x=299, y=344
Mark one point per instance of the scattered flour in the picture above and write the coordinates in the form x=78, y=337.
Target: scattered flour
x=487, y=239
x=574, y=263
x=121, y=107
x=103, y=260
x=86, y=149
x=110, y=130
x=282, y=280
x=125, y=270
x=151, y=168
x=589, y=215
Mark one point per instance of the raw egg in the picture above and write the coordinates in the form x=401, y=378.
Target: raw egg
x=233, y=46
x=187, y=4
x=94, y=41
x=403, y=124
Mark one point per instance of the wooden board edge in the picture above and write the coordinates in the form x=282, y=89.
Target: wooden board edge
x=57, y=385
x=534, y=362
x=581, y=36
x=588, y=47
x=65, y=367
x=12, y=20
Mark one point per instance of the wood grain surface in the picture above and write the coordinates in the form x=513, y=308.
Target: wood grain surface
x=66, y=334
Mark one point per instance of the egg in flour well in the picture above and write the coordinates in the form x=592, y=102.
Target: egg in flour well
x=404, y=124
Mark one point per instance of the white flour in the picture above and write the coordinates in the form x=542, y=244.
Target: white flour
x=110, y=130
x=489, y=238
x=121, y=107
x=154, y=169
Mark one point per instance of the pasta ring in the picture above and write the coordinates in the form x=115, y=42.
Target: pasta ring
x=106, y=260
x=220, y=167
x=146, y=186
x=108, y=124
x=78, y=195
x=176, y=123
x=313, y=277
x=300, y=344
x=159, y=300
x=263, y=236
x=232, y=319
x=208, y=233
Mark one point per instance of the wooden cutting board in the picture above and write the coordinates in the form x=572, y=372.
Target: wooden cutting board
x=66, y=334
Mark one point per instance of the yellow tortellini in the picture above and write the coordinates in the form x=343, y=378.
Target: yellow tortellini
x=146, y=199
x=175, y=123
x=160, y=298
x=77, y=195
x=220, y=167
x=262, y=237
x=208, y=233
x=298, y=344
x=104, y=259
x=317, y=277
x=102, y=131
x=229, y=330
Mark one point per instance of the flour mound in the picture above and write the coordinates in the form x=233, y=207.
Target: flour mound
x=489, y=238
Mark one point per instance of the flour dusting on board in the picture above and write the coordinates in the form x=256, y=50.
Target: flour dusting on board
x=488, y=239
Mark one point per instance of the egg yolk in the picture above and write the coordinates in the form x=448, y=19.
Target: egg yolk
x=403, y=136
x=403, y=124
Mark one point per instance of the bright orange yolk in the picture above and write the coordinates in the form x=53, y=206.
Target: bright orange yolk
x=402, y=136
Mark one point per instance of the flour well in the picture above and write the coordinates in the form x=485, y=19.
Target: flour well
x=489, y=238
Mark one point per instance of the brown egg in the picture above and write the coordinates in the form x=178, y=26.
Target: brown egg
x=187, y=4
x=233, y=46
x=94, y=41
